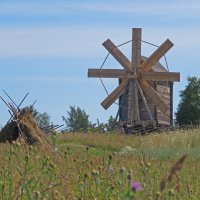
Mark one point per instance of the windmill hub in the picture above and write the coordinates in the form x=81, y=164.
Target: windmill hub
x=141, y=83
x=132, y=76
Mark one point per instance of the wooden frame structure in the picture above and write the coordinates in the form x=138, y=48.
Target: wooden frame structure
x=137, y=75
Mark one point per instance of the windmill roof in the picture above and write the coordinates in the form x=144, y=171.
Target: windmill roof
x=157, y=67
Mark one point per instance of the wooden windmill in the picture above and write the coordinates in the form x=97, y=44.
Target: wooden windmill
x=140, y=82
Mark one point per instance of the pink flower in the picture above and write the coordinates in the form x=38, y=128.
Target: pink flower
x=136, y=186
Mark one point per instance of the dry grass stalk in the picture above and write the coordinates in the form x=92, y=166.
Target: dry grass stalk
x=27, y=130
x=175, y=168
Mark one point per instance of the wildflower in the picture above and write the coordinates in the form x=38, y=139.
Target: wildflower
x=136, y=186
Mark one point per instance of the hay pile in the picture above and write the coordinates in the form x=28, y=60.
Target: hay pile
x=26, y=130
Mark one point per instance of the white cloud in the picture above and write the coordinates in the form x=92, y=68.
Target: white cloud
x=38, y=8
x=84, y=41
x=56, y=79
x=177, y=8
x=41, y=42
x=158, y=8
x=52, y=41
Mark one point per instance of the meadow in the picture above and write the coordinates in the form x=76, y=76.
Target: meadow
x=104, y=166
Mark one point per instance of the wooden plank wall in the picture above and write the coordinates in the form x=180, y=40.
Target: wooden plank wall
x=123, y=103
x=165, y=90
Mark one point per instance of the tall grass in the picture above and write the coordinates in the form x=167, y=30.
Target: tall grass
x=104, y=166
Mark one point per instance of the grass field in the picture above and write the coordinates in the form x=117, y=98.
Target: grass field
x=104, y=166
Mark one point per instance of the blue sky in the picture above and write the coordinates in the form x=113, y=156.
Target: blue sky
x=46, y=48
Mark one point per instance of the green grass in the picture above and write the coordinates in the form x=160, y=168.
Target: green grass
x=102, y=166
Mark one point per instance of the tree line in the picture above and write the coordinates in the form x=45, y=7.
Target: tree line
x=76, y=121
x=188, y=112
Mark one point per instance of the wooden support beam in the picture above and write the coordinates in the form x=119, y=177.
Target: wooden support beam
x=154, y=96
x=115, y=94
x=107, y=73
x=154, y=58
x=160, y=76
x=118, y=55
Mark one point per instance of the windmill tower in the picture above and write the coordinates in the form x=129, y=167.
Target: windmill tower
x=142, y=83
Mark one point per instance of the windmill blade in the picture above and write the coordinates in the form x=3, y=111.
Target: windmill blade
x=154, y=96
x=133, y=105
x=107, y=73
x=115, y=94
x=153, y=59
x=160, y=76
x=118, y=55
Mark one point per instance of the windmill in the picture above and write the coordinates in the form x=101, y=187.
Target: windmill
x=138, y=81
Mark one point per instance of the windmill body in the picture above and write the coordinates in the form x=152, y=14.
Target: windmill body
x=145, y=89
x=164, y=89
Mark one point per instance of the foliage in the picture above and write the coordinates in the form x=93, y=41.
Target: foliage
x=104, y=127
x=27, y=174
x=77, y=119
x=111, y=124
x=42, y=119
x=188, y=111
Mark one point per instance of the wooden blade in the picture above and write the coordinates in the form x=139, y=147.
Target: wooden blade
x=107, y=73
x=118, y=55
x=160, y=76
x=114, y=95
x=154, y=96
x=154, y=58
x=136, y=48
x=133, y=107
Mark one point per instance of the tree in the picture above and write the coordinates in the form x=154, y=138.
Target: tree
x=42, y=119
x=77, y=119
x=111, y=124
x=188, y=111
